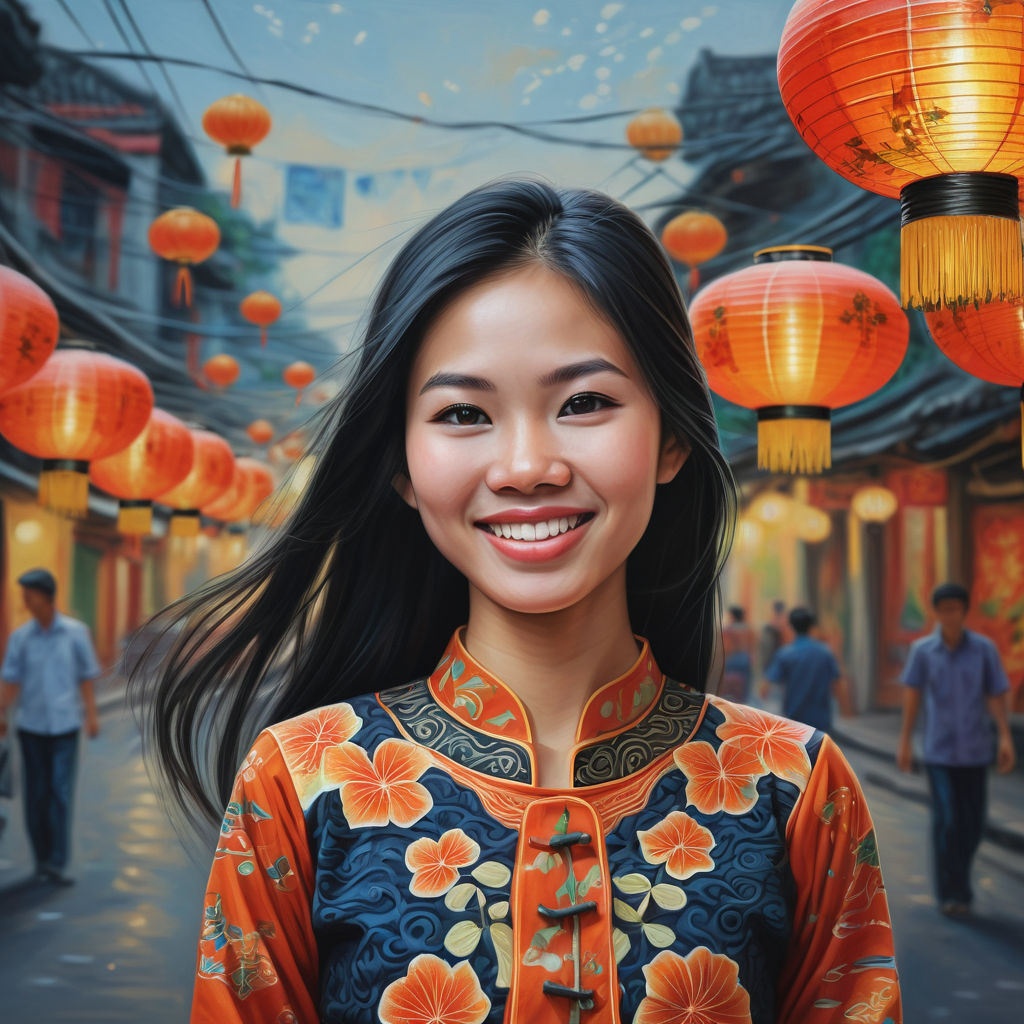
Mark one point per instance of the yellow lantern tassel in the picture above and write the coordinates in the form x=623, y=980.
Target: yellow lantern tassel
x=184, y=523
x=788, y=442
x=64, y=486
x=135, y=517
x=960, y=240
x=956, y=261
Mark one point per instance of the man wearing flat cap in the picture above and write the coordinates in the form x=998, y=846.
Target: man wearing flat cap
x=48, y=668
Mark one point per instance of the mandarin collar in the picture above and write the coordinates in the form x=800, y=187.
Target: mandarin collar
x=477, y=697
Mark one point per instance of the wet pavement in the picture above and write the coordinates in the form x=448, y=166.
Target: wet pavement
x=118, y=945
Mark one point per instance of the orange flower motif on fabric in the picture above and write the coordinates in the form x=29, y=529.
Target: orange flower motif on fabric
x=385, y=789
x=700, y=988
x=305, y=740
x=680, y=843
x=722, y=780
x=435, y=863
x=434, y=992
x=778, y=742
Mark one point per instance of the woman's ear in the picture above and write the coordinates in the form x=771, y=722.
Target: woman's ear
x=403, y=485
x=673, y=454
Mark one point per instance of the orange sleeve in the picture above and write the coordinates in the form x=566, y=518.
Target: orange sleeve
x=257, y=958
x=840, y=964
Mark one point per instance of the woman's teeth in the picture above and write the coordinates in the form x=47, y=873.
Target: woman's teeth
x=534, y=531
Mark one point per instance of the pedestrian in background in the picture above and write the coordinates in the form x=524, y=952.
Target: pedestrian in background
x=773, y=634
x=808, y=672
x=48, y=668
x=738, y=642
x=964, y=688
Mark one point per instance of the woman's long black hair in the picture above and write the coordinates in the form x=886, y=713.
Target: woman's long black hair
x=351, y=596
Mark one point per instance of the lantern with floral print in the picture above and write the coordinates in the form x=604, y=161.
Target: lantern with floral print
x=251, y=484
x=28, y=328
x=213, y=467
x=159, y=458
x=655, y=133
x=299, y=375
x=186, y=237
x=82, y=405
x=986, y=341
x=238, y=123
x=263, y=309
x=693, y=238
x=795, y=336
x=921, y=99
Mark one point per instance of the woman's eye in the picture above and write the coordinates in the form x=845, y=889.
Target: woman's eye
x=462, y=416
x=580, y=405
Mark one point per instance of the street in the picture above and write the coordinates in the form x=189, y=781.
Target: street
x=118, y=945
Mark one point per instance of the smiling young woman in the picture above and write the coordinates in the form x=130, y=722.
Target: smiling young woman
x=495, y=789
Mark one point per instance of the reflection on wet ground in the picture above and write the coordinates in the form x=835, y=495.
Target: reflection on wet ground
x=116, y=946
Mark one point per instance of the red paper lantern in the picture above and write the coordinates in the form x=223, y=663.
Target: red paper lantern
x=795, y=336
x=251, y=484
x=28, y=328
x=238, y=123
x=655, y=133
x=921, y=99
x=80, y=406
x=186, y=237
x=987, y=342
x=158, y=459
x=213, y=466
x=299, y=375
x=693, y=238
x=263, y=309
x=222, y=370
x=260, y=431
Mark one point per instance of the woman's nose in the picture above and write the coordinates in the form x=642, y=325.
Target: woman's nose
x=527, y=457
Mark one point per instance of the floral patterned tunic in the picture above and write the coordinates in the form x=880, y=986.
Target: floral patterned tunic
x=390, y=859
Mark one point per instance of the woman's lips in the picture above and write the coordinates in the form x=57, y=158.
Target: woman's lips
x=524, y=550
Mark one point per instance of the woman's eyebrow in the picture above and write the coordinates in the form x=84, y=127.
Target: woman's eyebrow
x=563, y=375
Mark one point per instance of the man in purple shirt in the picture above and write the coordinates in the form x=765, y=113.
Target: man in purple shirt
x=964, y=687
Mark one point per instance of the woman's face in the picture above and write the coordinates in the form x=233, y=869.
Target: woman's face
x=532, y=442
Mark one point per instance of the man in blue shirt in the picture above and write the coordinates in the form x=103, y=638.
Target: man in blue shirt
x=48, y=668
x=958, y=674
x=809, y=673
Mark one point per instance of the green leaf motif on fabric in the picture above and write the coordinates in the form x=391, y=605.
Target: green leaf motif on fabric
x=492, y=874
x=470, y=702
x=620, y=944
x=867, y=851
x=659, y=935
x=544, y=862
x=562, y=825
x=246, y=867
x=463, y=938
x=501, y=936
x=537, y=954
x=458, y=898
x=632, y=884
x=458, y=668
x=498, y=911
x=625, y=912
x=501, y=720
x=590, y=880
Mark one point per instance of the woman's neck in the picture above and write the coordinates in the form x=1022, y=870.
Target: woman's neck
x=555, y=662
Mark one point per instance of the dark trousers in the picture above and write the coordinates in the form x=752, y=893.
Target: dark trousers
x=958, y=818
x=49, y=763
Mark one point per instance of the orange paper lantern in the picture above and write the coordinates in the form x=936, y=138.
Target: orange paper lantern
x=795, y=336
x=986, y=341
x=655, y=133
x=80, y=406
x=222, y=370
x=693, y=238
x=213, y=466
x=158, y=459
x=299, y=375
x=921, y=99
x=263, y=309
x=238, y=123
x=28, y=328
x=260, y=431
x=251, y=484
x=186, y=237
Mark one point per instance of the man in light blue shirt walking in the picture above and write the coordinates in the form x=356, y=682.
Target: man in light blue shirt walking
x=956, y=673
x=48, y=668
